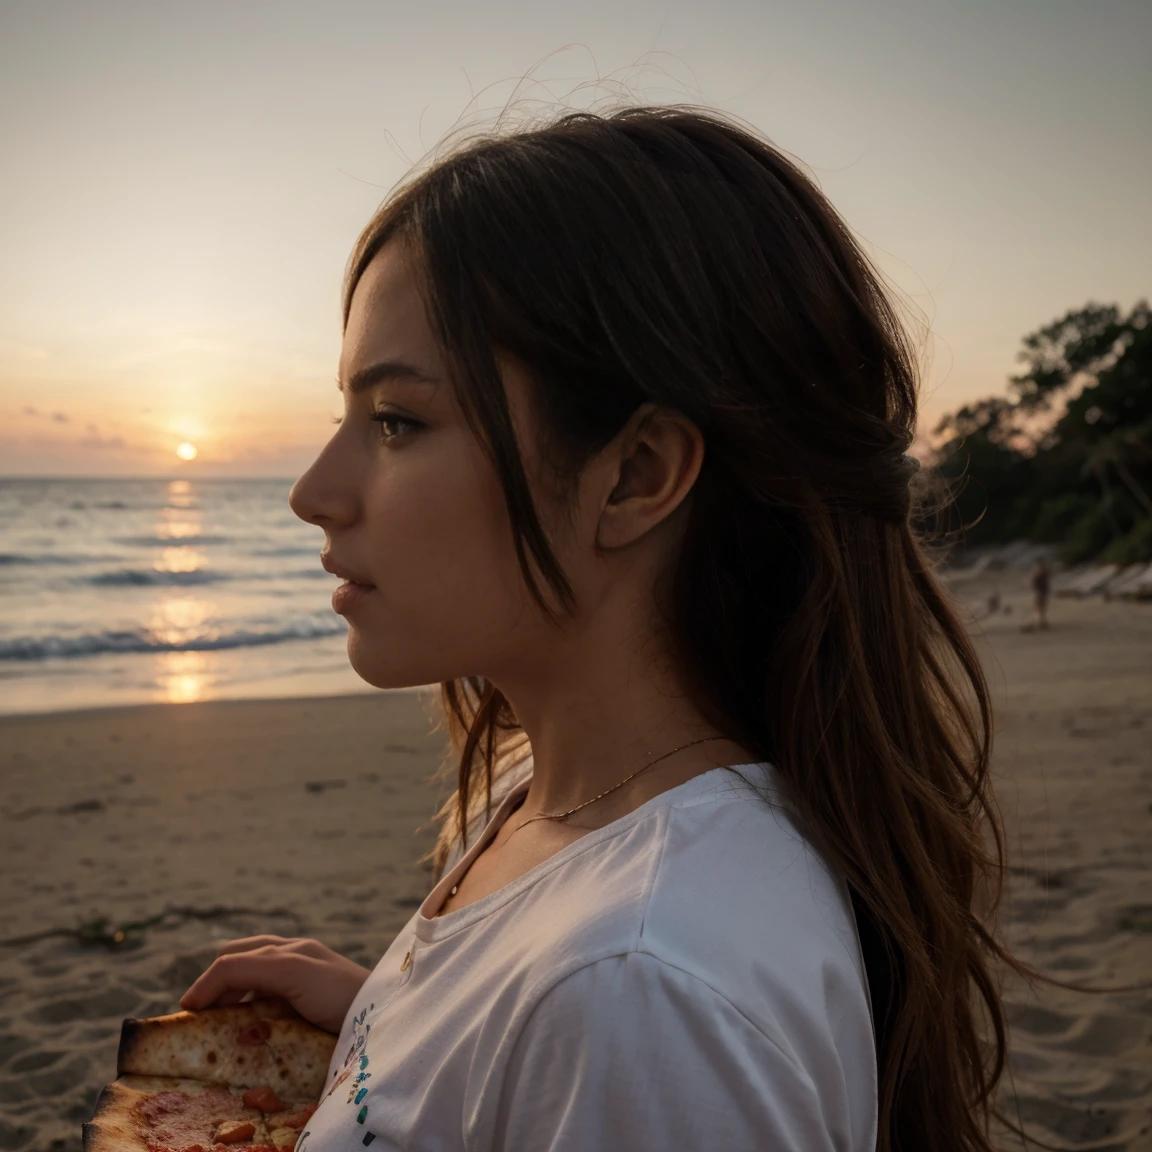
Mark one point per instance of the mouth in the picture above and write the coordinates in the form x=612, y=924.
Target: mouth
x=355, y=589
x=337, y=569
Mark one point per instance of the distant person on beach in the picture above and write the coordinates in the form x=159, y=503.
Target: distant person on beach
x=1041, y=590
x=623, y=466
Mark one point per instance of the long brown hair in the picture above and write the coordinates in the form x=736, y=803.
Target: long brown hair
x=672, y=255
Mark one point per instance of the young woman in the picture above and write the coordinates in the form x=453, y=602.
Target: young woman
x=623, y=466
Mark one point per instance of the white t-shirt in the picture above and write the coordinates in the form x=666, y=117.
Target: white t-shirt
x=686, y=977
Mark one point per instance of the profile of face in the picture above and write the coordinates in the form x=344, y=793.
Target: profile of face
x=414, y=515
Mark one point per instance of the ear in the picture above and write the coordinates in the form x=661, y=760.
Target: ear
x=651, y=466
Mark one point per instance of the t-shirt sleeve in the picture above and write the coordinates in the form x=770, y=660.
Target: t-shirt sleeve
x=632, y=1053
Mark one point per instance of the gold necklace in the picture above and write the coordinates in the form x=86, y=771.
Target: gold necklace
x=608, y=791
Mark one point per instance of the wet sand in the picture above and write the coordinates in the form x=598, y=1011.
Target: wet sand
x=311, y=816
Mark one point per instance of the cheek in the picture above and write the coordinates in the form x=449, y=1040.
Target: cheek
x=449, y=590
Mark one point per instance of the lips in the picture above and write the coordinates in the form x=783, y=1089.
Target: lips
x=353, y=591
x=337, y=569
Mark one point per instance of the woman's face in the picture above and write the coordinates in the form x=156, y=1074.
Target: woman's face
x=412, y=511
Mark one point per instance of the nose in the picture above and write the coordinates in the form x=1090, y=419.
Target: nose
x=326, y=494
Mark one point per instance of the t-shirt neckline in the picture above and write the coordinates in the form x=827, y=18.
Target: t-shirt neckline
x=430, y=927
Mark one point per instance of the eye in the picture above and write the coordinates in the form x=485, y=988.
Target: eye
x=389, y=421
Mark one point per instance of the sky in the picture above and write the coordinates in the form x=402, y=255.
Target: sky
x=181, y=183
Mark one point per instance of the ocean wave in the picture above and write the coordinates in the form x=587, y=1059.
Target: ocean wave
x=288, y=551
x=12, y=559
x=54, y=559
x=31, y=648
x=149, y=577
x=173, y=541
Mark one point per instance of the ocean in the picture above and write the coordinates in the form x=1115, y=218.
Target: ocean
x=137, y=591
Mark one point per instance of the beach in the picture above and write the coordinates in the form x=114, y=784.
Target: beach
x=312, y=816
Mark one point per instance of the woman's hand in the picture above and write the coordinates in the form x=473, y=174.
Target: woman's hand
x=319, y=983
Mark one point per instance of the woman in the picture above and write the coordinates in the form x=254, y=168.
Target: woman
x=623, y=466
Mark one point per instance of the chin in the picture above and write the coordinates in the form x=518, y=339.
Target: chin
x=368, y=663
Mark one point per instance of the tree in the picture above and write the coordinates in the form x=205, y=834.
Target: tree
x=1067, y=455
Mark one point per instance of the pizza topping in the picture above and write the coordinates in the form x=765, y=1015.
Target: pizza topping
x=234, y=1131
x=215, y=1148
x=296, y=1118
x=264, y=1099
x=179, y=1122
x=162, y=1103
x=285, y=1139
x=255, y=1033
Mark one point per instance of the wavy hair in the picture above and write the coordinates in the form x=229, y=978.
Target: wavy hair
x=672, y=255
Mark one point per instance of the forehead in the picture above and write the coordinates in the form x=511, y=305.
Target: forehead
x=387, y=319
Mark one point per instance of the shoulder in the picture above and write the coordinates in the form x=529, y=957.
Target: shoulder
x=717, y=880
x=711, y=928
x=743, y=900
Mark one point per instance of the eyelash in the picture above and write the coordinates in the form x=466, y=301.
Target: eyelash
x=383, y=417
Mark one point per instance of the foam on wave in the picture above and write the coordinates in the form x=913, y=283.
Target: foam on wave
x=142, y=640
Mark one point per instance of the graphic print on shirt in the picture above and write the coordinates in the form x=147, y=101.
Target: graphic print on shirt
x=355, y=1066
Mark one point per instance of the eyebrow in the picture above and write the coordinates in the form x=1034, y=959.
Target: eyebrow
x=387, y=371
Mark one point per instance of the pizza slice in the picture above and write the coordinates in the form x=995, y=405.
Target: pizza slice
x=245, y=1078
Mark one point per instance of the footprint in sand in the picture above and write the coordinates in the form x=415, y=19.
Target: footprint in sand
x=1037, y=1021
x=34, y=1061
x=61, y=1081
x=109, y=1002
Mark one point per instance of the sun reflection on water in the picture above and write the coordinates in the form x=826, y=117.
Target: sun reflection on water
x=184, y=677
x=178, y=529
x=180, y=494
x=180, y=559
x=180, y=620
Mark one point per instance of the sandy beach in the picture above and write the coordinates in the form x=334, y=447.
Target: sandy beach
x=311, y=817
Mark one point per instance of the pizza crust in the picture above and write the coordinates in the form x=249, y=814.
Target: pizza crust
x=242, y=1045
x=113, y=1127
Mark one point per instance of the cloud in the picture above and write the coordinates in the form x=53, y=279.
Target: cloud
x=59, y=417
x=95, y=440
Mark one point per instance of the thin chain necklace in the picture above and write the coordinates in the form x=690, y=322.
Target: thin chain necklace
x=609, y=791
x=606, y=792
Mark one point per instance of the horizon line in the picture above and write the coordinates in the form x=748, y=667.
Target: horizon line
x=165, y=479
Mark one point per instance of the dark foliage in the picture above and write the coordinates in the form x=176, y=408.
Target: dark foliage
x=1066, y=456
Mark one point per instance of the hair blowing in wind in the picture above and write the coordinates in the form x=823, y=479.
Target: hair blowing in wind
x=671, y=256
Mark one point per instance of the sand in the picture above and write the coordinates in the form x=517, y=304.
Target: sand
x=1073, y=762
x=311, y=817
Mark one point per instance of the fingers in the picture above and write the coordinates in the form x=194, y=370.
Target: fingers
x=304, y=946
x=268, y=970
x=226, y=998
x=248, y=943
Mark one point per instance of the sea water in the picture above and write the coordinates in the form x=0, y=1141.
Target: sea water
x=131, y=591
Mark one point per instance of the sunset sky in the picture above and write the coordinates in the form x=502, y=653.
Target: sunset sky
x=182, y=182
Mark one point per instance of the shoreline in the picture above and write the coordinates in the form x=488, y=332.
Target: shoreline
x=65, y=714
x=300, y=668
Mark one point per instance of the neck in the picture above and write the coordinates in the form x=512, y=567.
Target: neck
x=589, y=732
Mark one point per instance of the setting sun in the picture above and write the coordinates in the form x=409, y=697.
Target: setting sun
x=186, y=451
